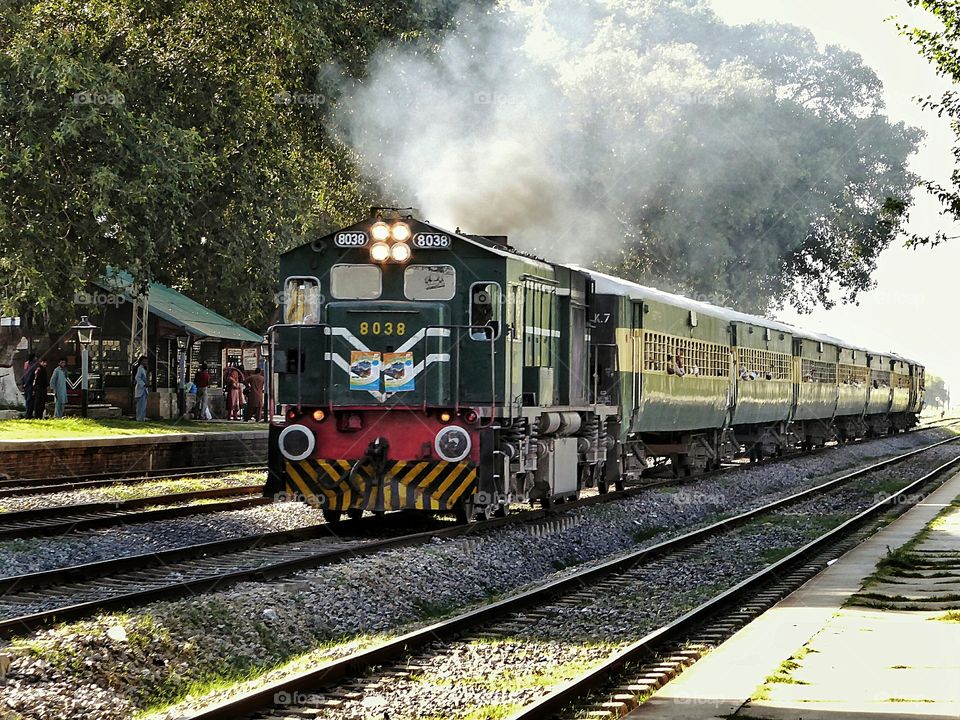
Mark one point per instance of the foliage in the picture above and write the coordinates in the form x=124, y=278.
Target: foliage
x=940, y=47
x=184, y=141
x=742, y=165
x=936, y=393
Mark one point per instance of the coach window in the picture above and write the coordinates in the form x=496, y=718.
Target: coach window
x=301, y=301
x=429, y=282
x=355, y=282
x=485, y=310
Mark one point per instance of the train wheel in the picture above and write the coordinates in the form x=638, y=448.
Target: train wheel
x=502, y=510
x=332, y=516
x=355, y=513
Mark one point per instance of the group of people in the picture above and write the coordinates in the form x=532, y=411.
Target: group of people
x=35, y=383
x=243, y=393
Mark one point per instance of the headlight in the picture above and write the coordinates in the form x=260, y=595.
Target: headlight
x=452, y=443
x=380, y=231
x=400, y=252
x=379, y=251
x=296, y=442
x=400, y=232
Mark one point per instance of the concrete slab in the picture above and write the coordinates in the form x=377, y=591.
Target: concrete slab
x=721, y=684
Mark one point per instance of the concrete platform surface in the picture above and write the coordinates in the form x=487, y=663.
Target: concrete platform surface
x=856, y=675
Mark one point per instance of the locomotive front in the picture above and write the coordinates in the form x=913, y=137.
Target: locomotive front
x=385, y=369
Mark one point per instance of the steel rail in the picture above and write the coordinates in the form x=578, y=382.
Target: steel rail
x=67, y=518
x=552, y=704
x=29, y=486
x=81, y=574
x=336, y=670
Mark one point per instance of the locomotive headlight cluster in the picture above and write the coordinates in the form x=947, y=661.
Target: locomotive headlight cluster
x=390, y=242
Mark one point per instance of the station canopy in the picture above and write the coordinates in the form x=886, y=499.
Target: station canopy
x=179, y=310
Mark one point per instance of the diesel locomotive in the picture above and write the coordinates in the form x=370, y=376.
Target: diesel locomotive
x=427, y=369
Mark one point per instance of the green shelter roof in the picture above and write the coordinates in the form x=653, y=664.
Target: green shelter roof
x=179, y=310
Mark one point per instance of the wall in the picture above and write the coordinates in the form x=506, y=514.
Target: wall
x=68, y=458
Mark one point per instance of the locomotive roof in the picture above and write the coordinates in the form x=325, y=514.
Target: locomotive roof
x=609, y=284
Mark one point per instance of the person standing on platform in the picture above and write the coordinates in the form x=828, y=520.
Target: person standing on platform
x=202, y=381
x=140, y=389
x=255, y=395
x=234, y=389
x=26, y=382
x=58, y=382
x=40, y=384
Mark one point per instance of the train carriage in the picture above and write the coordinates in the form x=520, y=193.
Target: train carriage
x=425, y=369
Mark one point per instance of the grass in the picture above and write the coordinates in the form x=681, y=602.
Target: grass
x=485, y=712
x=949, y=616
x=55, y=428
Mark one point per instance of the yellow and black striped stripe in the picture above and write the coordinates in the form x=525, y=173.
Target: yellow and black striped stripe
x=407, y=485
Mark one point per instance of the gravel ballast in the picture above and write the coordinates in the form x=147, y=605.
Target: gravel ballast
x=79, y=671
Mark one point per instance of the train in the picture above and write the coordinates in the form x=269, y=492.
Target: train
x=419, y=368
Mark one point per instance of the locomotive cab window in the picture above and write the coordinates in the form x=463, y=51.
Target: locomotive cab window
x=355, y=282
x=485, y=310
x=301, y=301
x=429, y=282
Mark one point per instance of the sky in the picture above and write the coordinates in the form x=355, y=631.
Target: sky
x=909, y=311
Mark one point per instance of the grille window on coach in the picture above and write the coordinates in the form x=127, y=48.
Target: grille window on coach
x=485, y=310
x=301, y=301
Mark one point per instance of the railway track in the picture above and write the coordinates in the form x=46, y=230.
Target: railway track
x=16, y=488
x=28, y=602
x=345, y=680
x=83, y=516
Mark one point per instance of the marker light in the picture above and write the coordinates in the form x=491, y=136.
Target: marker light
x=379, y=252
x=400, y=252
x=319, y=415
x=445, y=416
x=380, y=231
x=400, y=232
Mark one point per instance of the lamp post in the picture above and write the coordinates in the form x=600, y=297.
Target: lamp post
x=267, y=379
x=84, y=337
x=182, y=342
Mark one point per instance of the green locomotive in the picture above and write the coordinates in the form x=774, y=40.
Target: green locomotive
x=420, y=368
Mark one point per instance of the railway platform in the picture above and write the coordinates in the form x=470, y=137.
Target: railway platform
x=71, y=457
x=890, y=653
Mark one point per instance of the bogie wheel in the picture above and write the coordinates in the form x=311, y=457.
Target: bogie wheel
x=355, y=513
x=618, y=485
x=331, y=516
x=502, y=510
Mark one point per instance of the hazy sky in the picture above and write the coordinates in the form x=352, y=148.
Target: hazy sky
x=910, y=311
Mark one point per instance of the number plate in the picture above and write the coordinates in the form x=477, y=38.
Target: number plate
x=350, y=239
x=431, y=240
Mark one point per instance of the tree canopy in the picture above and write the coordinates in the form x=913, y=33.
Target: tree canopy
x=942, y=48
x=739, y=164
x=191, y=142
x=183, y=141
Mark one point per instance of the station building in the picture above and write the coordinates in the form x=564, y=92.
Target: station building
x=181, y=333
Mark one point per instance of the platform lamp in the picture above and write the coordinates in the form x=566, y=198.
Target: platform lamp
x=84, y=337
x=182, y=342
x=267, y=378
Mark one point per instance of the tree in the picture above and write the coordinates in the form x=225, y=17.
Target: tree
x=942, y=48
x=186, y=142
x=936, y=394
x=742, y=165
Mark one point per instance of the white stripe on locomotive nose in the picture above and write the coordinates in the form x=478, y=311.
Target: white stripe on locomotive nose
x=422, y=333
